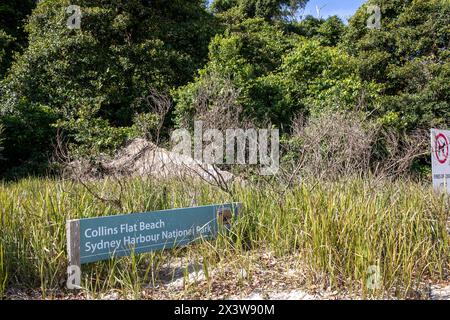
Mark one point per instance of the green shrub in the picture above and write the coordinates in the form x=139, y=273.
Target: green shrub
x=28, y=138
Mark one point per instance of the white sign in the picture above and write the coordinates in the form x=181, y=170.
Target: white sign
x=440, y=163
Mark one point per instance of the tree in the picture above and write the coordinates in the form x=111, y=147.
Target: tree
x=13, y=16
x=312, y=79
x=92, y=81
x=266, y=9
x=328, y=31
x=409, y=57
x=331, y=31
x=277, y=75
x=246, y=52
x=5, y=51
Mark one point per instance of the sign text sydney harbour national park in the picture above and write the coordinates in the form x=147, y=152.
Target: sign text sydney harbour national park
x=104, y=237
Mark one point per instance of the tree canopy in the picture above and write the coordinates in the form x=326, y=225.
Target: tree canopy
x=12, y=34
x=267, y=9
x=409, y=57
x=93, y=83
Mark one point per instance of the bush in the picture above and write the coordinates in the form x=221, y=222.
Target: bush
x=28, y=135
x=333, y=145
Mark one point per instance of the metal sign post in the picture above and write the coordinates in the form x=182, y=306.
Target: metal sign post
x=440, y=163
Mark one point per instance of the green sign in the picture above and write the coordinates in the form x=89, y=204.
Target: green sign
x=95, y=239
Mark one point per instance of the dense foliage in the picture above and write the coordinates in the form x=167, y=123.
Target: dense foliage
x=267, y=9
x=12, y=34
x=409, y=57
x=92, y=83
x=281, y=72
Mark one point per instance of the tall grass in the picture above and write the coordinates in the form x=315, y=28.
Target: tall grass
x=338, y=230
x=3, y=273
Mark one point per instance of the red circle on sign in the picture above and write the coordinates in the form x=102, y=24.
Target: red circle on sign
x=441, y=148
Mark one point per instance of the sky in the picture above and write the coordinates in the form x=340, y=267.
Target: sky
x=342, y=8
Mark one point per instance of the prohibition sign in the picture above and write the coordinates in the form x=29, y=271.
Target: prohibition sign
x=441, y=148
